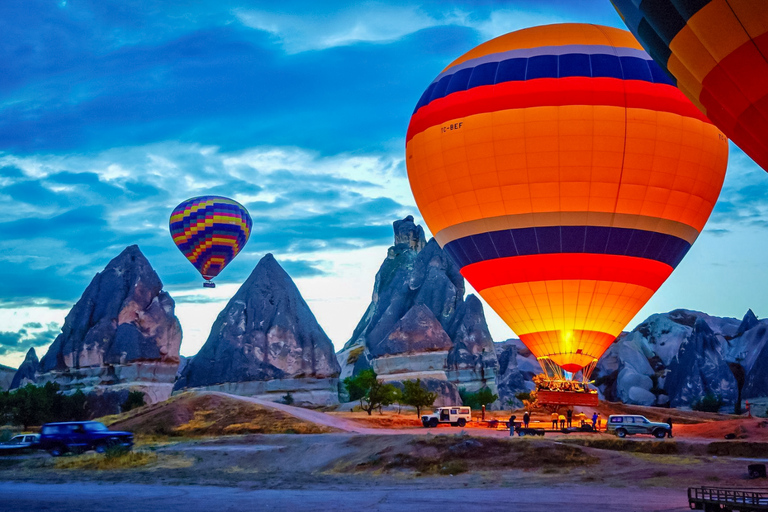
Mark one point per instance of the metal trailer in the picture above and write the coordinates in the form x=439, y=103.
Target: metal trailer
x=710, y=499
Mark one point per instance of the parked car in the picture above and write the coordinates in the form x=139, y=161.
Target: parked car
x=81, y=436
x=20, y=443
x=629, y=424
x=457, y=416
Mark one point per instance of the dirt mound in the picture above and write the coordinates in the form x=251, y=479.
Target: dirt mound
x=458, y=454
x=202, y=414
x=388, y=419
x=742, y=428
x=661, y=414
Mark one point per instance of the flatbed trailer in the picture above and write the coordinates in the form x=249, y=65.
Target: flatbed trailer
x=710, y=499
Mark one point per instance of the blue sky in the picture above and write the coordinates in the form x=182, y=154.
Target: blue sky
x=111, y=113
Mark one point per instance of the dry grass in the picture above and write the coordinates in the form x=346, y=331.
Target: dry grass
x=625, y=445
x=738, y=449
x=458, y=454
x=194, y=415
x=98, y=462
x=389, y=419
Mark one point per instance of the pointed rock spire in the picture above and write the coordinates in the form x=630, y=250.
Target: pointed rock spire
x=266, y=334
x=26, y=372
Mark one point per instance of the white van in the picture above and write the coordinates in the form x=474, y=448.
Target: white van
x=457, y=416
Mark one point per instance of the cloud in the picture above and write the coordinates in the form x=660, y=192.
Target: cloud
x=743, y=202
x=32, y=336
x=302, y=204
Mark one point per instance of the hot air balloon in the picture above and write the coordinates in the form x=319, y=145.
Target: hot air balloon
x=210, y=231
x=716, y=51
x=567, y=177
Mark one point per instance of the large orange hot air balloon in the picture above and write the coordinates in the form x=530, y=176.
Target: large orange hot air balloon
x=716, y=51
x=567, y=177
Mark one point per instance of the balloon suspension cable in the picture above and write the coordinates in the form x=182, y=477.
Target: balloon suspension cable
x=586, y=372
x=554, y=378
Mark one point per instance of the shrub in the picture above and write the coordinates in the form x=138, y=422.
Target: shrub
x=288, y=398
x=134, y=401
x=708, y=403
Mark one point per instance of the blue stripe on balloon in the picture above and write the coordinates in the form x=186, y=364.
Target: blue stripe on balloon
x=596, y=65
x=661, y=247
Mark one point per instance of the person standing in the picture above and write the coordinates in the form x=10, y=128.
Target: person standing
x=594, y=421
x=569, y=417
x=669, y=422
x=554, y=421
x=526, y=419
x=562, y=421
x=512, y=419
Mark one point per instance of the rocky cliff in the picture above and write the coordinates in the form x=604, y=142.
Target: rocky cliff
x=6, y=377
x=678, y=357
x=121, y=335
x=267, y=343
x=419, y=325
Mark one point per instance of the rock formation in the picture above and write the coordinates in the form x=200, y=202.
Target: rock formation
x=517, y=367
x=419, y=325
x=26, y=373
x=676, y=358
x=266, y=343
x=6, y=377
x=121, y=335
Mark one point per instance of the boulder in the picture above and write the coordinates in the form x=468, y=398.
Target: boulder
x=121, y=335
x=26, y=374
x=267, y=343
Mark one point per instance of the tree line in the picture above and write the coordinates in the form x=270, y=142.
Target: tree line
x=374, y=394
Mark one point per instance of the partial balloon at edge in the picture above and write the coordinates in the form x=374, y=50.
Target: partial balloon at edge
x=210, y=231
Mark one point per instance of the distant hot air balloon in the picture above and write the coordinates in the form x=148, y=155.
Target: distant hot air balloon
x=210, y=231
x=716, y=51
x=567, y=177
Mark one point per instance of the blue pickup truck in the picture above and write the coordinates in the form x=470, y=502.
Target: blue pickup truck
x=81, y=436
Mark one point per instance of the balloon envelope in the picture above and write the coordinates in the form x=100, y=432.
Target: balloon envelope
x=567, y=177
x=210, y=231
x=716, y=52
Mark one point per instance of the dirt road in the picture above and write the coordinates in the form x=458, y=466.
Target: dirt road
x=93, y=497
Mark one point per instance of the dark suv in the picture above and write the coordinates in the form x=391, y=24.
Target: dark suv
x=81, y=436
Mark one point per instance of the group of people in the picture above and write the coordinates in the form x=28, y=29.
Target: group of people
x=563, y=420
x=566, y=421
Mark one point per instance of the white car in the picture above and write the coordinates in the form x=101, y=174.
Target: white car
x=457, y=416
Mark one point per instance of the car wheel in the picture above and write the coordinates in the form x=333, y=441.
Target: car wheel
x=659, y=433
x=101, y=448
x=433, y=422
x=57, y=451
x=521, y=433
x=621, y=433
x=462, y=422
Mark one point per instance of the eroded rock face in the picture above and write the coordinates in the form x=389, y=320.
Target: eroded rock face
x=266, y=342
x=517, y=367
x=419, y=325
x=6, y=377
x=679, y=356
x=121, y=334
x=26, y=374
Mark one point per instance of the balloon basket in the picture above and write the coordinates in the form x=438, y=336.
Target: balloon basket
x=586, y=398
x=209, y=285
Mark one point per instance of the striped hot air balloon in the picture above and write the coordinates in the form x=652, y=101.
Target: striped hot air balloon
x=716, y=51
x=567, y=177
x=210, y=231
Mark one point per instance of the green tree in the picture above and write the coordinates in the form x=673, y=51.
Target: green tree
x=372, y=393
x=481, y=397
x=417, y=396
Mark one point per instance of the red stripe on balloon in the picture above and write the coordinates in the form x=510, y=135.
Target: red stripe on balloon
x=567, y=266
x=553, y=92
